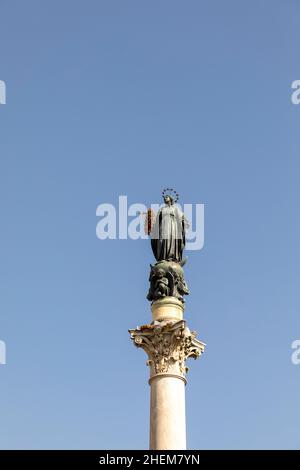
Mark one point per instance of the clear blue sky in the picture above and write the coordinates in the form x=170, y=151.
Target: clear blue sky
x=126, y=97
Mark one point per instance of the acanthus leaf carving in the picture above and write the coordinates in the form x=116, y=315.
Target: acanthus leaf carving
x=168, y=345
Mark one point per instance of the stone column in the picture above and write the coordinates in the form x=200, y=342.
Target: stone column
x=168, y=342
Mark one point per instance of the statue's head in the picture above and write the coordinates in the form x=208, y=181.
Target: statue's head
x=160, y=273
x=170, y=196
x=168, y=199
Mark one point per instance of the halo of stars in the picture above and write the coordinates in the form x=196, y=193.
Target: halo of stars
x=172, y=192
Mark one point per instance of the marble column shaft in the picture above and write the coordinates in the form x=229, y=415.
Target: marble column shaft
x=168, y=342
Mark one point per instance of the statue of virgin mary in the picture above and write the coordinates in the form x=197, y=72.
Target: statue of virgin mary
x=168, y=231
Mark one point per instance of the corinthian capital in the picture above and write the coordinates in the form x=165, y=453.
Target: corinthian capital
x=168, y=345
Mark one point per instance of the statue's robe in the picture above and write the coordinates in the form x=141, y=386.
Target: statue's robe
x=168, y=234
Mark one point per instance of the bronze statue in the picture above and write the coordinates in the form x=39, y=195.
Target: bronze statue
x=167, y=231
